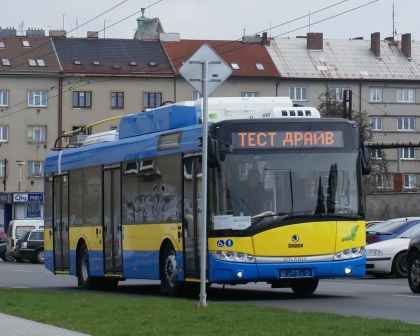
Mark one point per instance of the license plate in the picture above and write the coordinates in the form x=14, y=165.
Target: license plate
x=295, y=273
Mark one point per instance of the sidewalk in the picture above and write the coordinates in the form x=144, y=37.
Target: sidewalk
x=16, y=326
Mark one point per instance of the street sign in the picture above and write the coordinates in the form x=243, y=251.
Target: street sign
x=218, y=71
x=205, y=71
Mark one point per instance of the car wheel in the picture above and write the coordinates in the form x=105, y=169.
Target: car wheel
x=8, y=257
x=399, y=265
x=83, y=274
x=414, y=272
x=169, y=272
x=304, y=286
x=39, y=257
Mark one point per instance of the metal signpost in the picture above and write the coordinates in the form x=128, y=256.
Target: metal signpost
x=196, y=71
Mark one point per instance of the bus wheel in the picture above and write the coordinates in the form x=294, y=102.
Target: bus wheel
x=304, y=286
x=169, y=276
x=85, y=279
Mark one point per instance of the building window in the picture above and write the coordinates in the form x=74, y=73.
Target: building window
x=5, y=61
x=259, y=66
x=235, y=66
x=152, y=99
x=26, y=43
x=409, y=180
x=376, y=123
x=37, y=98
x=406, y=124
x=117, y=100
x=4, y=133
x=82, y=99
x=250, y=94
x=376, y=94
x=407, y=153
x=405, y=95
x=32, y=62
x=196, y=95
x=37, y=133
x=2, y=45
x=298, y=93
x=378, y=180
x=376, y=153
x=337, y=93
x=35, y=168
x=2, y=168
x=4, y=98
x=40, y=62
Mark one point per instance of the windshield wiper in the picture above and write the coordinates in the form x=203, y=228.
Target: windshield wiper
x=284, y=215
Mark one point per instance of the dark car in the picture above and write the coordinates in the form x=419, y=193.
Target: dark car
x=30, y=246
x=413, y=264
x=3, y=247
x=389, y=229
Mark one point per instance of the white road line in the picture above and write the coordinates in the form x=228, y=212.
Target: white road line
x=335, y=291
x=412, y=296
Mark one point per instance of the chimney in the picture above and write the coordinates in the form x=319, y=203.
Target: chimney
x=406, y=44
x=315, y=41
x=58, y=33
x=92, y=34
x=35, y=32
x=375, y=44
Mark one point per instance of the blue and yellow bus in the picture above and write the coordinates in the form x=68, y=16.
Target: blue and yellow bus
x=284, y=198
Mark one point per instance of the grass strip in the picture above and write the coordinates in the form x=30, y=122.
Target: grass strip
x=115, y=315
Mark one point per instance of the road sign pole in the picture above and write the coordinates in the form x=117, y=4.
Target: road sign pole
x=203, y=295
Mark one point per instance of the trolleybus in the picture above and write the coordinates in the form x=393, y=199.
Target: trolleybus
x=131, y=208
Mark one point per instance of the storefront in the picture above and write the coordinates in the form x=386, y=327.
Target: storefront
x=6, y=210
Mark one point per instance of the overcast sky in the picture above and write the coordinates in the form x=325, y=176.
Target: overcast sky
x=218, y=19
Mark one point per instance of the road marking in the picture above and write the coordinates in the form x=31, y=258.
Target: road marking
x=412, y=296
x=25, y=271
x=336, y=291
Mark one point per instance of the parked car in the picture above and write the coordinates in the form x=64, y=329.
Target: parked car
x=389, y=229
x=30, y=246
x=370, y=223
x=390, y=256
x=3, y=255
x=17, y=228
x=413, y=264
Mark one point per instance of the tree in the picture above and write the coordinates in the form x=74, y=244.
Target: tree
x=379, y=177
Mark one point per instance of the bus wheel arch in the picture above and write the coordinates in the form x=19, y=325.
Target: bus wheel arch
x=304, y=286
x=168, y=269
x=85, y=280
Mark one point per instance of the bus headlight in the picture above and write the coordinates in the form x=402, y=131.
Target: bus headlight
x=233, y=256
x=354, y=252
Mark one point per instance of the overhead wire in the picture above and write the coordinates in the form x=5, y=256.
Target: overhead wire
x=181, y=58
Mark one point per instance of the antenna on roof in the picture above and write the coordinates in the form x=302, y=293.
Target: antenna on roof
x=20, y=28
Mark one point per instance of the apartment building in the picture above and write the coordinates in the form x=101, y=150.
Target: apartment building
x=384, y=76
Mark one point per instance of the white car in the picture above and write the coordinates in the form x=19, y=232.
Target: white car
x=390, y=256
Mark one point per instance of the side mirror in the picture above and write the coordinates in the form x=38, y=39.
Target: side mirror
x=365, y=159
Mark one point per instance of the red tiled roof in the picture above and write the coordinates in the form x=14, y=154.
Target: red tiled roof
x=18, y=55
x=246, y=55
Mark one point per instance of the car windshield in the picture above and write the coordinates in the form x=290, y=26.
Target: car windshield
x=411, y=232
x=387, y=226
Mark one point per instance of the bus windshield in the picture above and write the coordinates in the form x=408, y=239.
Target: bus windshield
x=251, y=186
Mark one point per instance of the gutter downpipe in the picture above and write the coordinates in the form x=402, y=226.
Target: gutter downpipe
x=277, y=85
x=360, y=94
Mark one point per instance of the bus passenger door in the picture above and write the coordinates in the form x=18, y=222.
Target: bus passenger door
x=61, y=223
x=192, y=216
x=112, y=220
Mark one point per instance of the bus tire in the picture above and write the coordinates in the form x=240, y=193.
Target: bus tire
x=413, y=268
x=169, y=272
x=304, y=286
x=86, y=281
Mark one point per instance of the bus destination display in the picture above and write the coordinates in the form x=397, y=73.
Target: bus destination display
x=294, y=139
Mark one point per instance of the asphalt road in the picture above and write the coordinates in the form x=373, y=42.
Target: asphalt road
x=389, y=298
